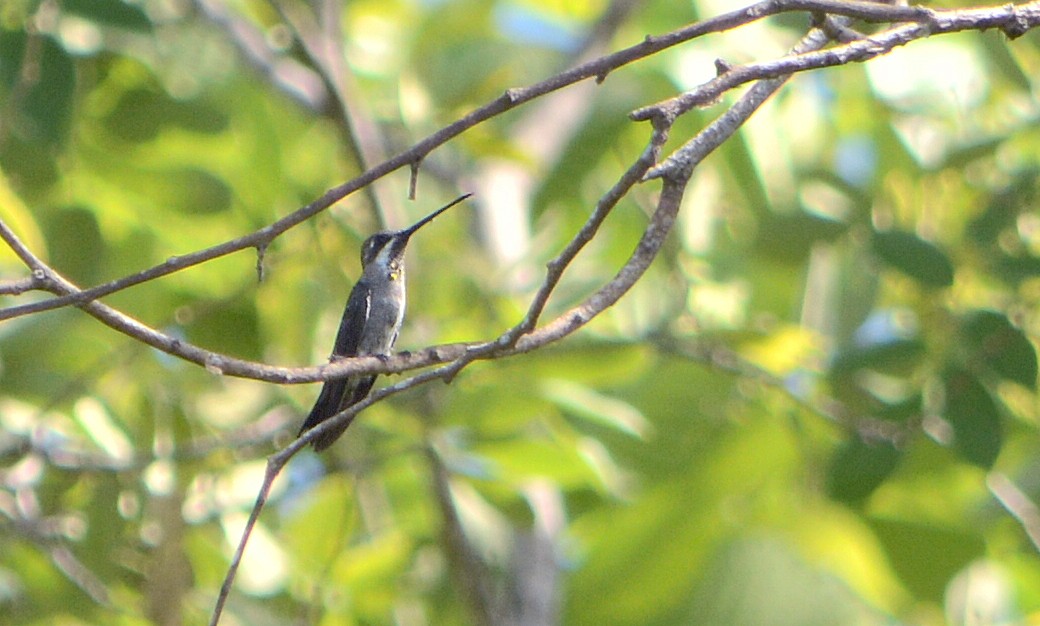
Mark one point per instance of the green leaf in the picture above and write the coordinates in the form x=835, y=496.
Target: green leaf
x=368, y=571
x=898, y=355
x=964, y=155
x=1016, y=268
x=230, y=326
x=75, y=244
x=584, y=402
x=901, y=411
x=110, y=12
x=762, y=581
x=140, y=114
x=996, y=344
x=314, y=545
x=926, y=557
x=974, y=416
x=859, y=467
x=42, y=82
x=1004, y=207
x=999, y=56
x=517, y=461
x=201, y=192
x=789, y=238
x=919, y=259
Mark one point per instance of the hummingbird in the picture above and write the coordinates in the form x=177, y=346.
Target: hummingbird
x=371, y=321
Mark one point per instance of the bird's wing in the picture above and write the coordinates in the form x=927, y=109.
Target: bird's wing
x=327, y=404
x=355, y=316
x=334, y=392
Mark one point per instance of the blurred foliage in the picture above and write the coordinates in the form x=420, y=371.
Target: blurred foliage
x=818, y=407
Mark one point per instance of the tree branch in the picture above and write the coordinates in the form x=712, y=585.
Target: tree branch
x=512, y=98
x=1008, y=18
x=518, y=340
x=1013, y=20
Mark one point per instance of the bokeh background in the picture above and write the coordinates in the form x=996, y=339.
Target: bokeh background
x=818, y=407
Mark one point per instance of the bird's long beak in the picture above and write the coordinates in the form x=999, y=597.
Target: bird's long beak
x=408, y=232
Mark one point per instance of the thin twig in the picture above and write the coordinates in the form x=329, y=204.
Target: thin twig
x=326, y=56
x=285, y=73
x=1017, y=503
x=274, y=467
x=471, y=571
x=18, y=286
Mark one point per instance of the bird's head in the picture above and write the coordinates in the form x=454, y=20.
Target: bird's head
x=386, y=248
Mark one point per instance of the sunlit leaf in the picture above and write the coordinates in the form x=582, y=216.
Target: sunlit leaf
x=314, y=545
x=519, y=460
x=586, y=403
x=783, y=350
x=926, y=556
x=761, y=582
x=265, y=564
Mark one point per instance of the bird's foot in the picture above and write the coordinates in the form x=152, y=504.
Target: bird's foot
x=385, y=358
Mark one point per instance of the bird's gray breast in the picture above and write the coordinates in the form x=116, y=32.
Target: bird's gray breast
x=386, y=303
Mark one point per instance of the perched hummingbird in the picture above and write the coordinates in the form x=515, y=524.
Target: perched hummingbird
x=371, y=321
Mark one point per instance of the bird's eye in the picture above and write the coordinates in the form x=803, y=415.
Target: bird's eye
x=370, y=249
